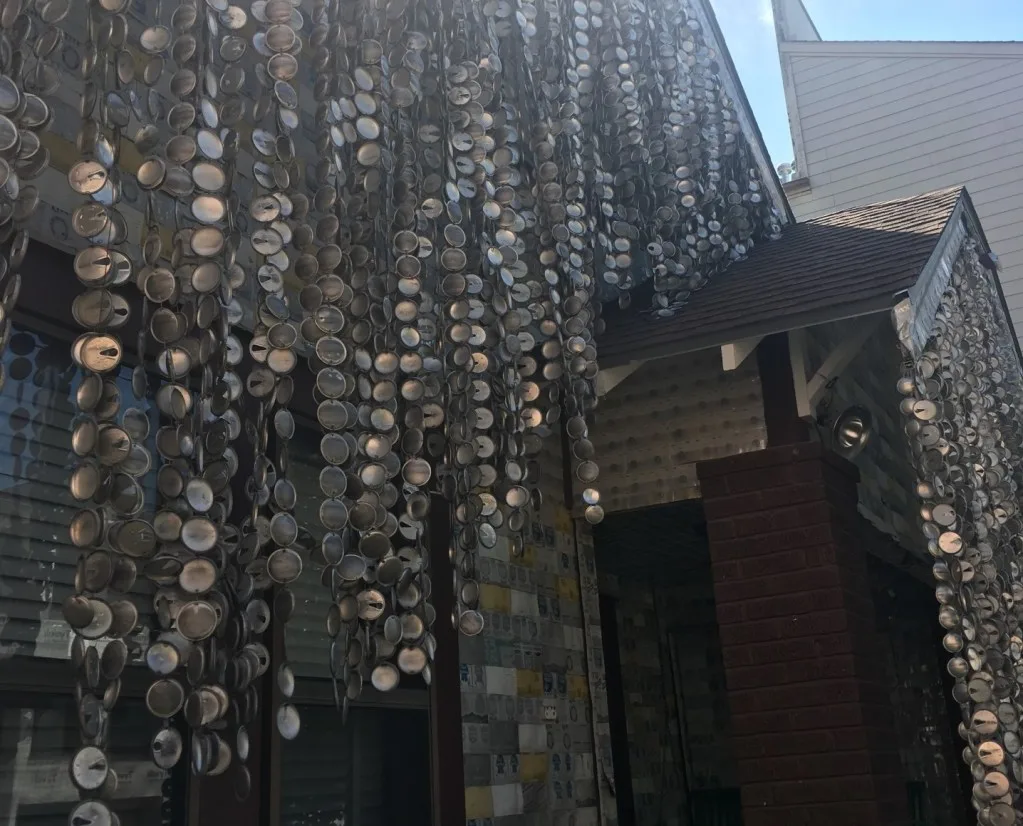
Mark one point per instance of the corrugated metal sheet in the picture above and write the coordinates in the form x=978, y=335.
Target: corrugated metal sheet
x=650, y=430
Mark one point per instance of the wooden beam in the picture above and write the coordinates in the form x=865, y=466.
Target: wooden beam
x=609, y=378
x=446, y=769
x=782, y=422
x=797, y=362
x=735, y=353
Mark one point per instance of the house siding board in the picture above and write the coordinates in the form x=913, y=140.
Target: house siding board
x=962, y=132
x=912, y=94
x=988, y=169
x=967, y=109
x=897, y=124
x=977, y=146
x=824, y=103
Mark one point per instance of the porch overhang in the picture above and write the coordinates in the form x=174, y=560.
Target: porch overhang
x=860, y=262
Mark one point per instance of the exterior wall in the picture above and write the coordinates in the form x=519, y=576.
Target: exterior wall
x=651, y=429
x=928, y=745
x=876, y=121
x=680, y=742
x=540, y=647
x=887, y=479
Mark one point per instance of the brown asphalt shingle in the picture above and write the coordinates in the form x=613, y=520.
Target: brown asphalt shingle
x=834, y=266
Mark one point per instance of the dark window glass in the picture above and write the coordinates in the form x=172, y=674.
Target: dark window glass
x=373, y=771
x=37, y=560
x=38, y=733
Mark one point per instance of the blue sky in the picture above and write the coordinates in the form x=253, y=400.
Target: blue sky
x=749, y=33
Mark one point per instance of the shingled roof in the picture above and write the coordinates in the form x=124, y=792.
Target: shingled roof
x=840, y=265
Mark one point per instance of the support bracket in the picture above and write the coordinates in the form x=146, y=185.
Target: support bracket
x=735, y=353
x=609, y=378
x=809, y=391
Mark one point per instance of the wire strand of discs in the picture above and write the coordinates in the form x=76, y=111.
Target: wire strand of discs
x=432, y=221
x=962, y=399
x=275, y=209
x=379, y=616
x=28, y=79
x=109, y=444
x=197, y=607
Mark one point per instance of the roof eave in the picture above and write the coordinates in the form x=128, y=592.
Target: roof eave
x=977, y=230
x=914, y=314
x=718, y=338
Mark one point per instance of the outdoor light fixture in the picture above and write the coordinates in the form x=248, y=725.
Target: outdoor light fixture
x=852, y=431
x=424, y=203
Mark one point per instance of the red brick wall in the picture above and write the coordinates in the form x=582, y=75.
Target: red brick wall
x=811, y=710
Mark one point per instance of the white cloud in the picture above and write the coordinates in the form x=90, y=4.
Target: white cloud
x=748, y=26
x=748, y=15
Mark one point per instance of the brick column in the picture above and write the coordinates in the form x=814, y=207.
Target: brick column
x=811, y=713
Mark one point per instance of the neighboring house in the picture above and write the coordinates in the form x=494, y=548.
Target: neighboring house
x=875, y=120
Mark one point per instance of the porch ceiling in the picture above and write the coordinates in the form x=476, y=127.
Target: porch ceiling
x=845, y=264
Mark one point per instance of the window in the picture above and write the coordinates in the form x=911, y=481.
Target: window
x=39, y=733
x=333, y=773
x=38, y=717
x=374, y=771
x=37, y=560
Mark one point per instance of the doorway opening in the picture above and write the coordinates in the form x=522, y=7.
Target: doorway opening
x=668, y=708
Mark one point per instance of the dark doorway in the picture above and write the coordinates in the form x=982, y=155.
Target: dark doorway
x=667, y=705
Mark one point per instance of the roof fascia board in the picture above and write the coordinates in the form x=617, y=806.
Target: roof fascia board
x=792, y=21
x=900, y=48
x=733, y=87
x=914, y=315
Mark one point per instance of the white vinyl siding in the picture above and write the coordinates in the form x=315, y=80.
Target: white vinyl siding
x=890, y=120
